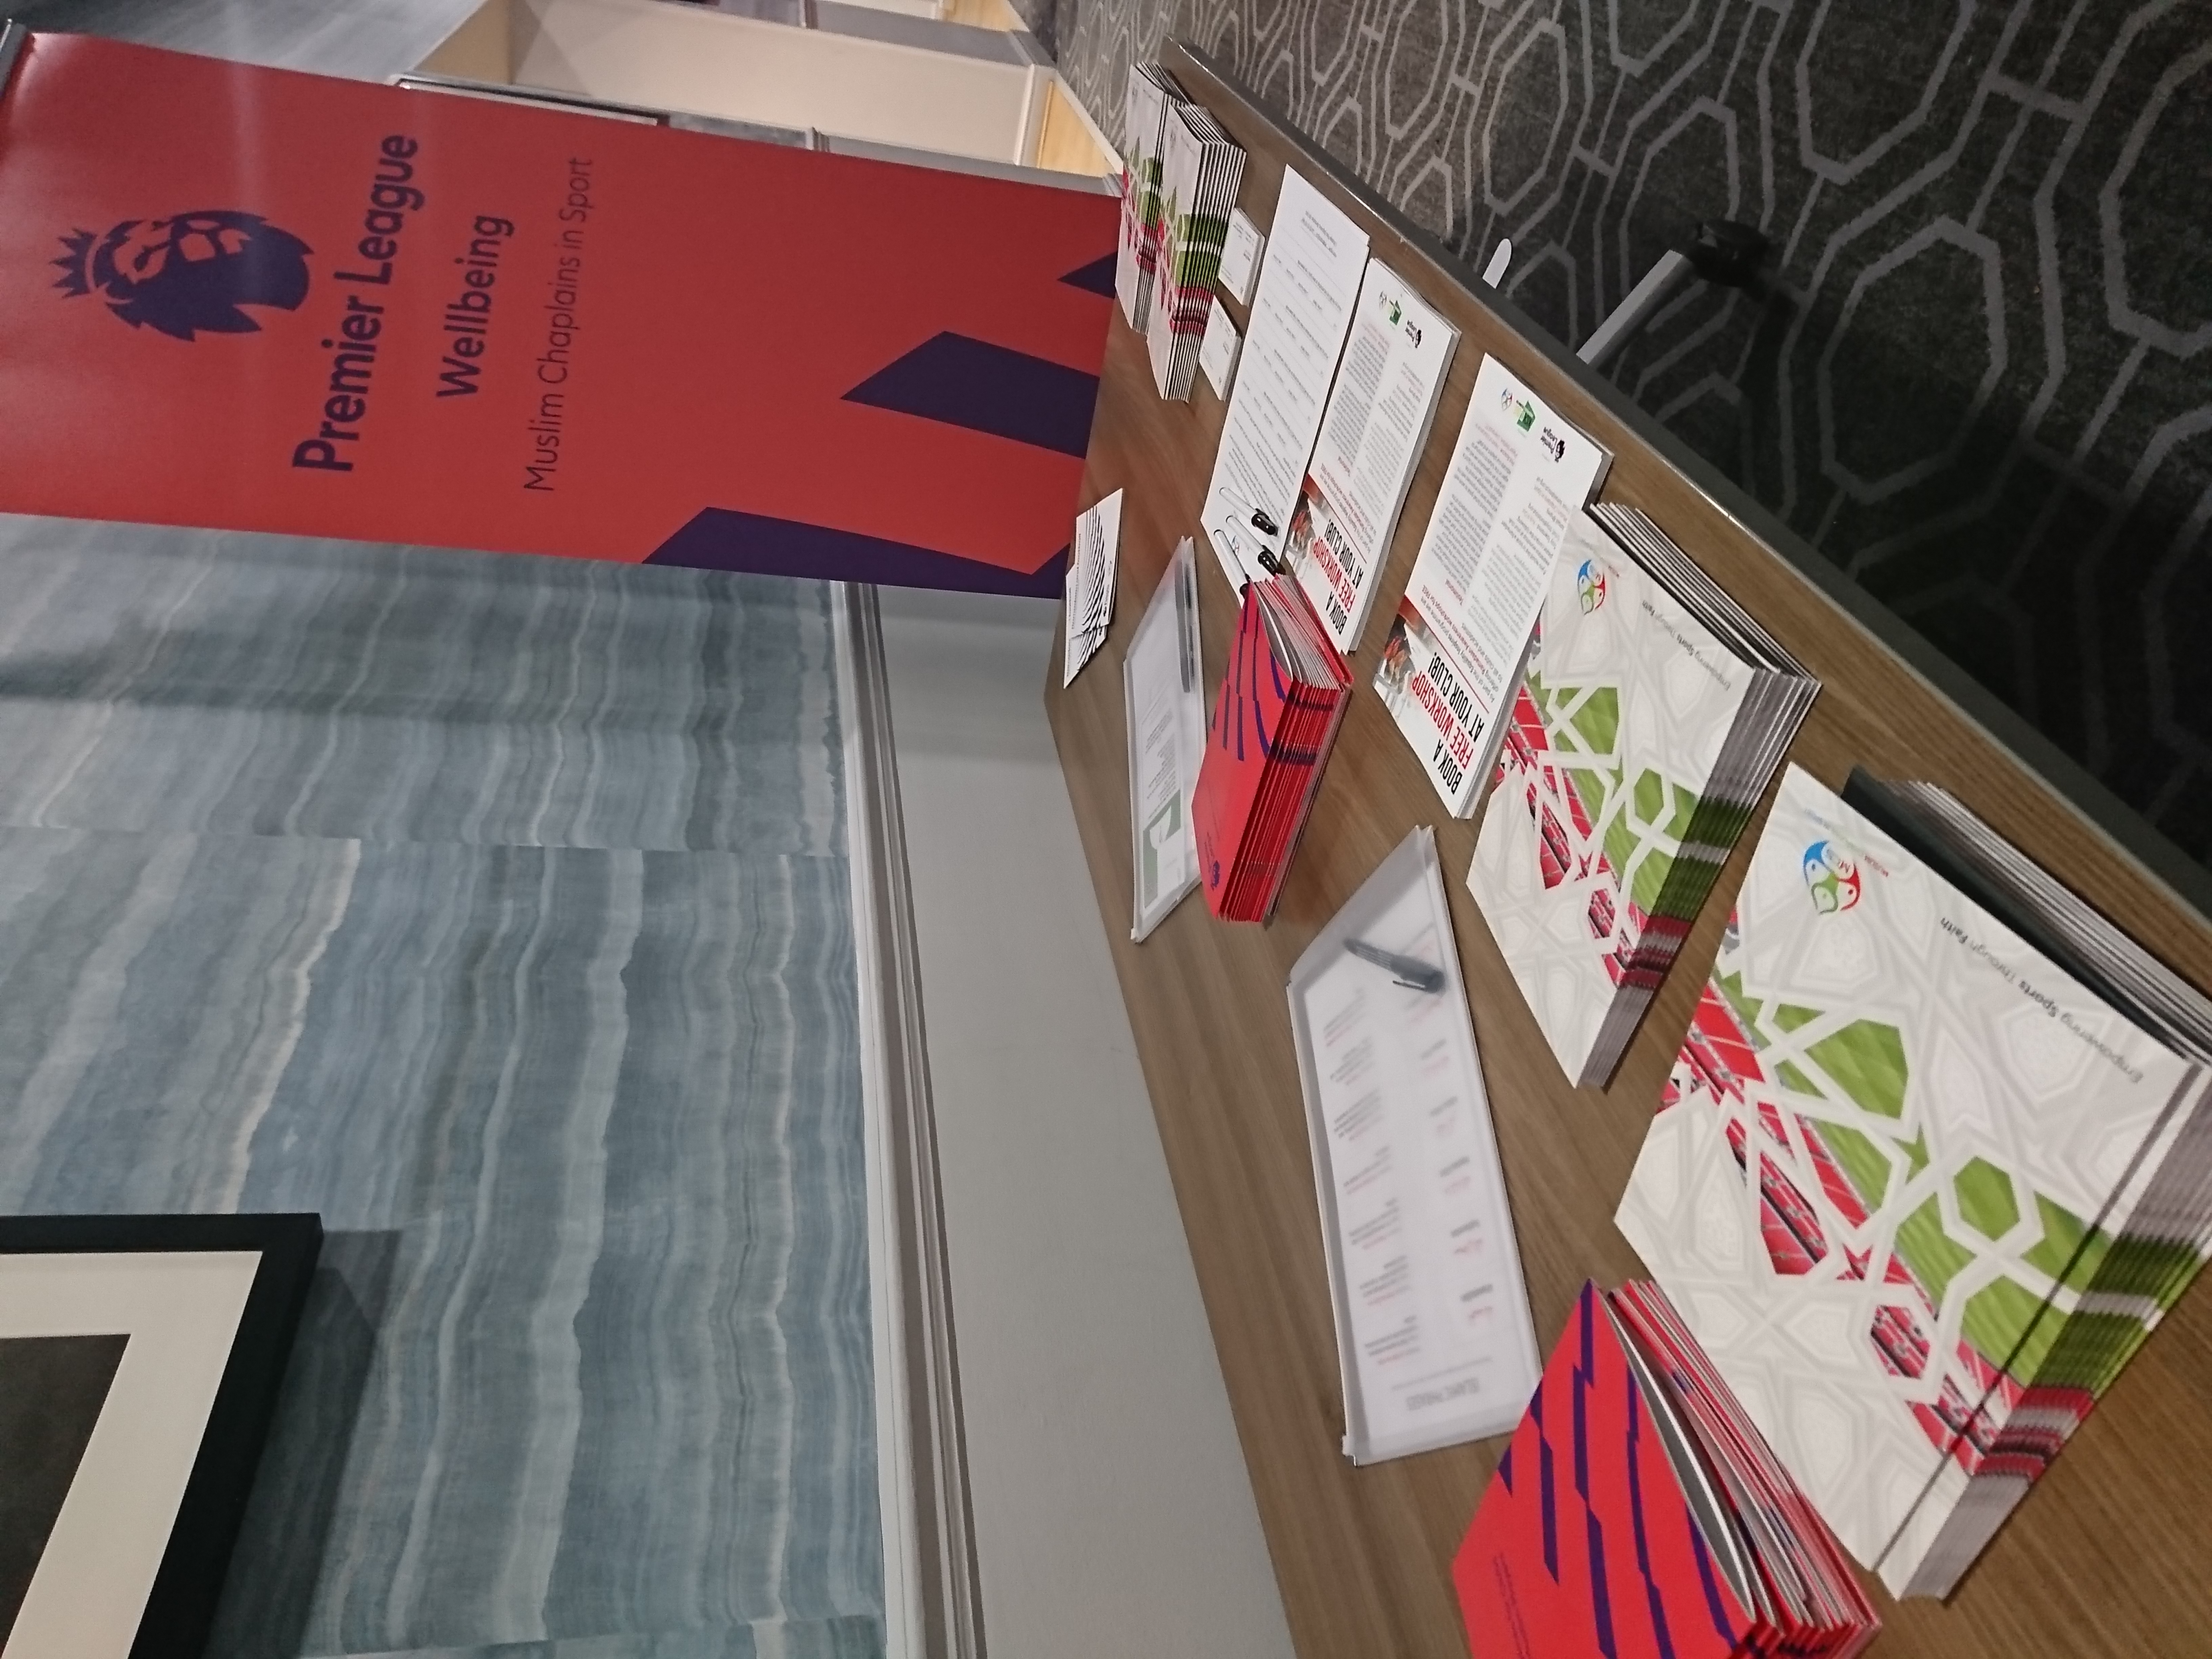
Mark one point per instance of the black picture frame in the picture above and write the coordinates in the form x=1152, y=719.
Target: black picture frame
x=181, y=1606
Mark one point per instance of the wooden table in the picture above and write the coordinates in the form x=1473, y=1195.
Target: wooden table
x=2113, y=1555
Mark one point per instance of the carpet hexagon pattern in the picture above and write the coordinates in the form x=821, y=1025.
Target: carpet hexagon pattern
x=1975, y=376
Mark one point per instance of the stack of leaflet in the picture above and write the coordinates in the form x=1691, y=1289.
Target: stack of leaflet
x=1199, y=172
x=1651, y=716
x=1144, y=113
x=1934, y=1159
x=2151, y=1259
x=1090, y=584
x=1640, y=1512
x=1274, y=723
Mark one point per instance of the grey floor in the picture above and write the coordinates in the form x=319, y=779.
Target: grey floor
x=497, y=911
x=1114, y=1516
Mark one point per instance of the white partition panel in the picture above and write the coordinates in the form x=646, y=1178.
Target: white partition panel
x=659, y=56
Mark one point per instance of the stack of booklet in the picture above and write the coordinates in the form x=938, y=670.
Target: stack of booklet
x=1144, y=113
x=1090, y=584
x=1650, y=721
x=1934, y=1158
x=2154, y=1255
x=1640, y=1512
x=1275, y=721
x=1200, y=173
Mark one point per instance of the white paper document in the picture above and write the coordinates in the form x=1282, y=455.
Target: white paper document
x=1372, y=433
x=1217, y=351
x=1519, y=475
x=1164, y=700
x=1090, y=599
x=1240, y=258
x=1433, y=1334
x=1308, y=284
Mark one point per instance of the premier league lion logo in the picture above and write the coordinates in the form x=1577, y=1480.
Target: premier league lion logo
x=190, y=274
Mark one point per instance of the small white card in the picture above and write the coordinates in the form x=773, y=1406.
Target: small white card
x=1217, y=352
x=1240, y=258
x=1090, y=567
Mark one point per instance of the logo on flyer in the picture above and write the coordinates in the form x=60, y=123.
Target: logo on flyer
x=1518, y=409
x=1589, y=584
x=191, y=274
x=1831, y=878
x=1554, y=444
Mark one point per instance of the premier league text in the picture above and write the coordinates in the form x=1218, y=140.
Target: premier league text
x=353, y=343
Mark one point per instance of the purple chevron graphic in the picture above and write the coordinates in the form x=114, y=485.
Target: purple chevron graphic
x=1097, y=277
x=989, y=388
x=1600, y=1596
x=722, y=538
x=1715, y=1608
x=1660, y=1635
x=1548, y=1504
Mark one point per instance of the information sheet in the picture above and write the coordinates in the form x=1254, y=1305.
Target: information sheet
x=1372, y=432
x=1164, y=704
x=1433, y=1334
x=1308, y=284
x=1518, y=476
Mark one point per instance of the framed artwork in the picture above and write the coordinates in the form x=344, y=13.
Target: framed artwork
x=140, y=1359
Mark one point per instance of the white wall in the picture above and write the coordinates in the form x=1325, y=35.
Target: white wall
x=481, y=49
x=1113, y=1515
x=710, y=63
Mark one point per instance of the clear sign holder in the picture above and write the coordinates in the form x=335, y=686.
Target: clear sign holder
x=1433, y=1334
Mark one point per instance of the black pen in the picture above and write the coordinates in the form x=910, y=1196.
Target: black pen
x=1411, y=971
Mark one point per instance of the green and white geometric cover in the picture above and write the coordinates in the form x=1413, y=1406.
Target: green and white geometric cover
x=1151, y=92
x=1892, y=1159
x=1626, y=705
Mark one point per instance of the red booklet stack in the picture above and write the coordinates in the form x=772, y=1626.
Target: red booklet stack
x=1640, y=1514
x=1277, y=714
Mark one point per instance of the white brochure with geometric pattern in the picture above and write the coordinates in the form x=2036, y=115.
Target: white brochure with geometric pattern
x=1621, y=719
x=1886, y=1160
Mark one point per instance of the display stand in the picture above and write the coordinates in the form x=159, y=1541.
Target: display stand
x=2106, y=1556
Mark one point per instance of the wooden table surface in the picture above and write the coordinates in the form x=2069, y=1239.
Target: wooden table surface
x=2113, y=1553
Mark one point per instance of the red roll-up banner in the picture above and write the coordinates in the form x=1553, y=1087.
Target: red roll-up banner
x=246, y=298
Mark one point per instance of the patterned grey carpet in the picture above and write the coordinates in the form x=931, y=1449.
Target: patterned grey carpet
x=495, y=909
x=1978, y=381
